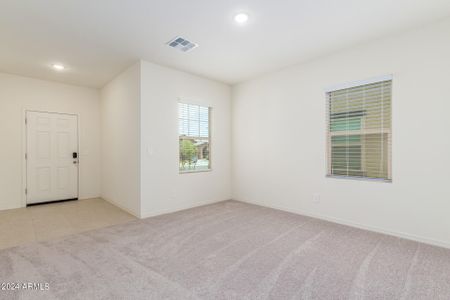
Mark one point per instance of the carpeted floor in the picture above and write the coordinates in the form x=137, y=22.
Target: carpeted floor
x=228, y=250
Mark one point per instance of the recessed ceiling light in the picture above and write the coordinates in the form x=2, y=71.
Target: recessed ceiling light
x=58, y=67
x=241, y=18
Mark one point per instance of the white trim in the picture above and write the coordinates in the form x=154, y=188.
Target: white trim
x=351, y=84
x=330, y=134
x=24, y=149
x=403, y=235
x=136, y=214
x=178, y=208
x=195, y=171
x=24, y=161
x=180, y=101
x=359, y=178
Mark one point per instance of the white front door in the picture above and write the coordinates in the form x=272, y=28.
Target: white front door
x=51, y=156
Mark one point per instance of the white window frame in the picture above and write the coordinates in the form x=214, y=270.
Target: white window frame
x=347, y=85
x=209, y=169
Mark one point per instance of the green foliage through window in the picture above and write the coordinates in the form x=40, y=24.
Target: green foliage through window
x=194, y=136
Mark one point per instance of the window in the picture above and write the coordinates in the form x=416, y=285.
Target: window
x=359, y=131
x=194, y=138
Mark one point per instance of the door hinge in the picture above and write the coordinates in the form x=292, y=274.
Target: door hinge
x=26, y=121
x=26, y=156
x=26, y=191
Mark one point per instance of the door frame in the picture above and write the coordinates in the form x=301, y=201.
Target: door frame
x=25, y=148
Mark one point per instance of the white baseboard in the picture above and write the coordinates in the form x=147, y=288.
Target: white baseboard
x=22, y=205
x=11, y=207
x=89, y=197
x=402, y=235
x=121, y=207
x=178, y=208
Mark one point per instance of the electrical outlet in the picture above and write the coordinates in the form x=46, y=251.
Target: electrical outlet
x=316, y=198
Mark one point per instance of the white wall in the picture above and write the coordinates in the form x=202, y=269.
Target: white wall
x=21, y=93
x=163, y=189
x=120, y=139
x=279, y=140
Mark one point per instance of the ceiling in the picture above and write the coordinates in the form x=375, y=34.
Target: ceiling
x=96, y=39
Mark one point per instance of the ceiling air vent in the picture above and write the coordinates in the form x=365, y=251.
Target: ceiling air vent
x=182, y=44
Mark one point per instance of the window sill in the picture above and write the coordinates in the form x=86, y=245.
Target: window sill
x=360, y=178
x=194, y=171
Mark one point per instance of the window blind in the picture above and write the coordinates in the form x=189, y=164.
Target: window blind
x=194, y=137
x=359, y=131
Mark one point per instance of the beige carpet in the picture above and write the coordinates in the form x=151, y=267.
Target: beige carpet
x=228, y=250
